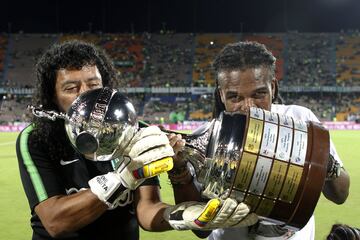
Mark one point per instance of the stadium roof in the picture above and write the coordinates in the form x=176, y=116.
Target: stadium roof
x=181, y=16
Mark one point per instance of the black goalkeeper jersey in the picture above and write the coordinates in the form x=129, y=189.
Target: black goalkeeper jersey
x=43, y=178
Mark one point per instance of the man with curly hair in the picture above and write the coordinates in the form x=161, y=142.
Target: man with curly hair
x=54, y=176
x=73, y=197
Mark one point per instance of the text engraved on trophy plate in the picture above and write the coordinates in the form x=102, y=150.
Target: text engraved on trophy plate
x=265, y=207
x=276, y=179
x=291, y=184
x=253, y=136
x=252, y=201
x=285, y=121
x=299, y=148
x=268, y=143
x=271, y=117
x=245, y=171
x=300, y=125
x=284, y=144
x=262, y=172
x=257, y=113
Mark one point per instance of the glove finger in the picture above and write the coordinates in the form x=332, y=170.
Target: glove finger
x=151, y=155
x=147, y=143
x=241, y=211
x=199, y=216
x=148, y=131
x=227, y=209
x=249, y=220
x=154, y=168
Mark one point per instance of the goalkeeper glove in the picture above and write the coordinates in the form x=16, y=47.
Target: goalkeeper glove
x=148, y=154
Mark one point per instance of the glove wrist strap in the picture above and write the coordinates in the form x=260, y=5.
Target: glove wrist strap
x=107, y=188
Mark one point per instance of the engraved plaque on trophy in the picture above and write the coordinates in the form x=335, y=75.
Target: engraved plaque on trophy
x=272, y=162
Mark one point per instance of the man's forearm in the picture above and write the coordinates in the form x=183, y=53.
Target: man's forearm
x=150, y=209
x=186, y=192
x=65, y=214
x=183, y=184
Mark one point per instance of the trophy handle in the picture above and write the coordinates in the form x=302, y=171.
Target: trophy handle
x=196, y=145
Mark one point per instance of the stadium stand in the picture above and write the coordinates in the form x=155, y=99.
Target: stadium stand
x=13, y=109
x=87, y=37
x=171, y=71
x=158, y=110
x=207, y=46
x=25, y=50
x=3, y=47
x=310, y=59
x=168, y=60
x=348, y=59
x=126, y=50
x=200, y=108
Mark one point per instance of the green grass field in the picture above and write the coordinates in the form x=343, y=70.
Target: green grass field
x=15, y=214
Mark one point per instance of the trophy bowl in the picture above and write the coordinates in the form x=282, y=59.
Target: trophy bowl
x=100, y=123
x=274, y=163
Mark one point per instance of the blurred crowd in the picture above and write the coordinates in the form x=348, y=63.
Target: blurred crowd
x=171, y=60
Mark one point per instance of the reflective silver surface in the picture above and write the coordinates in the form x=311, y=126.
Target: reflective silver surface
x=101, y=123
x=222, y=155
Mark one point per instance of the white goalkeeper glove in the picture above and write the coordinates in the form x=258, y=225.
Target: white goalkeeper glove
x=148, y=154
x=211, y=215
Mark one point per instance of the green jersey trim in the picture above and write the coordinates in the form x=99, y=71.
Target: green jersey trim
x=30, y=166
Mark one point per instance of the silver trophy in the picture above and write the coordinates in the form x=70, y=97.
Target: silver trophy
x=99, y=123
x=274, y=163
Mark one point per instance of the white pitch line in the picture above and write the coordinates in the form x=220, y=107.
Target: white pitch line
x=6, y=143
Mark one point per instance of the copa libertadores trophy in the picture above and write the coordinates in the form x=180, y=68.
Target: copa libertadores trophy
x=274, y=163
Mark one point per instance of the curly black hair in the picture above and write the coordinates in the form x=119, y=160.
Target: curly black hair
x=72, y=55
x=240, y=56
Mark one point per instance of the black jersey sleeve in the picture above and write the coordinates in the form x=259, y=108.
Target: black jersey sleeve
x=39, y=175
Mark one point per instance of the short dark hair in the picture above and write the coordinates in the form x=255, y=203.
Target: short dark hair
x=72, y=55
x=240, y=56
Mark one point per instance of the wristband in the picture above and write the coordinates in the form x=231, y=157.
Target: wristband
x=107, y=188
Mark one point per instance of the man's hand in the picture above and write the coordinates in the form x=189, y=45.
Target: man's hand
x=176, y=142
x=148, y=154
x=211, y=215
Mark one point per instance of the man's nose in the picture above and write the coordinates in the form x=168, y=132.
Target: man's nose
x=246, y=104
x=83, y=88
